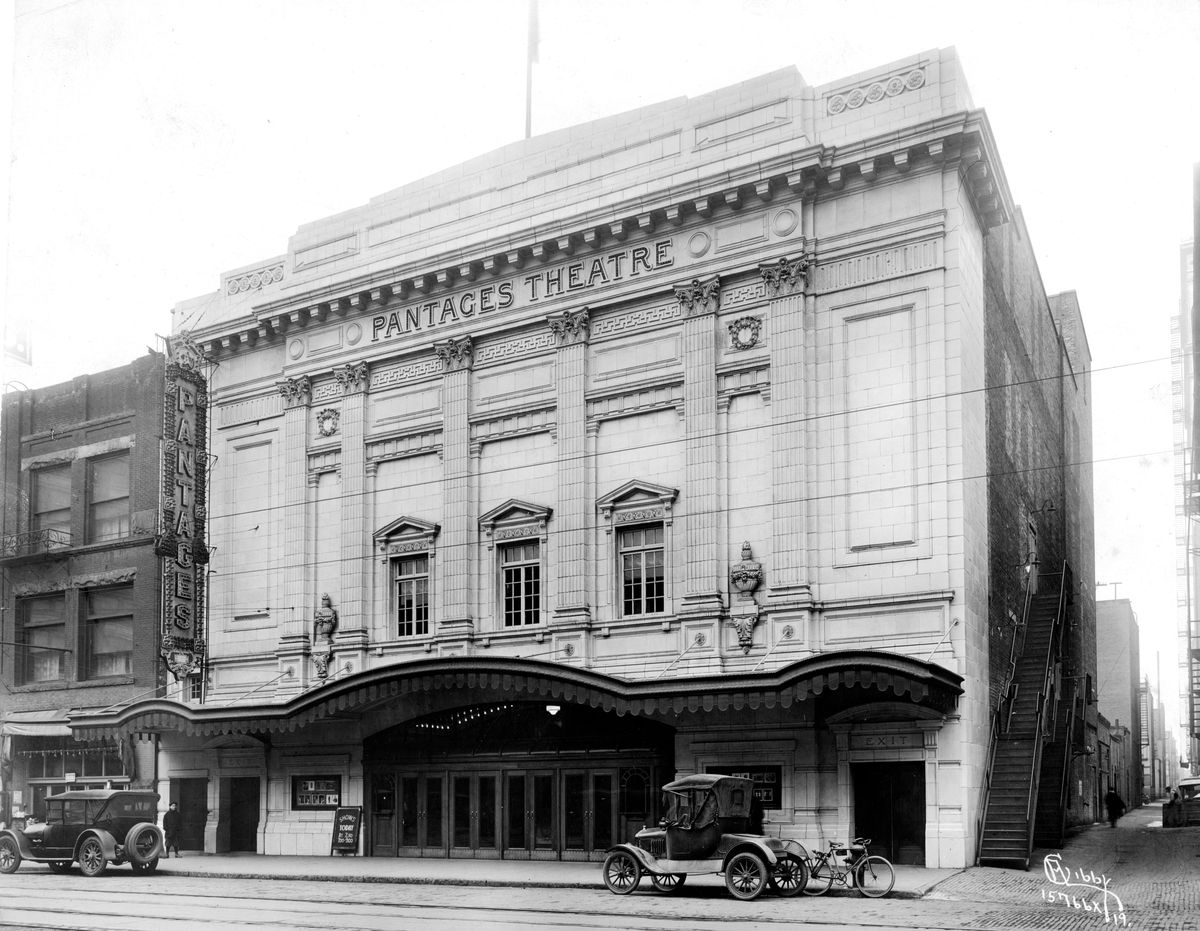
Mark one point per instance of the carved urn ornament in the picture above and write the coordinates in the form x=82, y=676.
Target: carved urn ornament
x=746, y=575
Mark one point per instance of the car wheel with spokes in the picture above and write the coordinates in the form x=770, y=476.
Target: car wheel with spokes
x=789, y=875
x=92, y=861
x=668, y=882
x=622, y=872
x=745, y=876
x=10, y=855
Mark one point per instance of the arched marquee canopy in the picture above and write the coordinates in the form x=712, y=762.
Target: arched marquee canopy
x=893, y=676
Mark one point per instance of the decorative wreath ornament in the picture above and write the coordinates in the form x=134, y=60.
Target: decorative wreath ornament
x=744, y=332
x=327, y=421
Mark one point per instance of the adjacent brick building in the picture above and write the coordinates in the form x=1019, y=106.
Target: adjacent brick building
x=1118, y=664
x=669, y=443
x=79, y=580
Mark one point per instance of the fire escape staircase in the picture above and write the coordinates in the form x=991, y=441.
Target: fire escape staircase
x=1021, y=726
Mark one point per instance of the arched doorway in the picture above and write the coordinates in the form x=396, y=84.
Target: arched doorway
x=513, y=780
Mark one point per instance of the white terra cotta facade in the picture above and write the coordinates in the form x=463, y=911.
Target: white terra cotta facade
x=518, y=420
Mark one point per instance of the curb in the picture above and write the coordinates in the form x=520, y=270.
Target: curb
x=460, y=881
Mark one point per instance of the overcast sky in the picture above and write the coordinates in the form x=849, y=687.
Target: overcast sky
x=157, y=143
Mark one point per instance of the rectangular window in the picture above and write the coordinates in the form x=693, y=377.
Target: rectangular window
x=520, y=564
x=108, y=498
x=109, y=622
x=641, y=553
x=43, y=637
x=410, y=587
x=52, y=504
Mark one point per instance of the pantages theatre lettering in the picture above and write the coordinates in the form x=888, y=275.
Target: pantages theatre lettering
x=582, y=275
x=181, y=540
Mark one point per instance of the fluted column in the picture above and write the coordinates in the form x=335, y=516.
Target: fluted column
x=292, y=597
x=702, y=585
x=459, y=533
x=353, y=379
x=571, y=515
x=787, y=576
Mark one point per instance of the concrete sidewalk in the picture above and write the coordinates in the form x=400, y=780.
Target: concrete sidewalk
x=911, y=881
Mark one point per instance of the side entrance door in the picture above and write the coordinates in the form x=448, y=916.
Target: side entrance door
x=243, y=813
x=192, y=797
x=889, y=808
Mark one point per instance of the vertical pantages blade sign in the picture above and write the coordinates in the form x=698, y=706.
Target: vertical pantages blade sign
x=180, y=541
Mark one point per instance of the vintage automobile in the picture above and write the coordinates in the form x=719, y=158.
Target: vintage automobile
x=705, y=829
x=91, y=827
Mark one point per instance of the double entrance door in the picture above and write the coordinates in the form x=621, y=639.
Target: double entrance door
x=514, y=814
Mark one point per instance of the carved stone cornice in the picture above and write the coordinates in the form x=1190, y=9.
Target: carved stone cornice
x=570, y=327
x=353, y=377
x=700, y=297
x=297, y=392
x=785, y=275
x=455, y=354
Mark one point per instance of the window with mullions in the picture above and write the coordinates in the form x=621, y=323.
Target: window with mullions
x=43, y=638
x=641, y=554
x=109, y=618
x=410, y=593
x=52, y=499
x=521, y=567
x=108, y=498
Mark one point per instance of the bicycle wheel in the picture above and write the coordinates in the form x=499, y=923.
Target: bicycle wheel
x=819, y=876
x=875, y=877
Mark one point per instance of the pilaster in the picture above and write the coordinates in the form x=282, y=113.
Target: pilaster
x=702, y=586
x=293, y=643
x=458, y=572
x=297, y=396
x=354, y=380
x=573, y=604
x=786, y=281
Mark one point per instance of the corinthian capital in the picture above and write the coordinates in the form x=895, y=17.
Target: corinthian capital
x=296, y=392
x=455, y=354
x=785, y=274
x=353, y=377
x=570, y=327
x=700, y=297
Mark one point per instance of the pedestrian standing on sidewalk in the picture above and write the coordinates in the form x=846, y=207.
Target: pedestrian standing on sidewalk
x=1115, y=805
x=172, y=822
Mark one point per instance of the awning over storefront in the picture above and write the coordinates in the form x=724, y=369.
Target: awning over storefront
x=891, y=675
x=48, y=723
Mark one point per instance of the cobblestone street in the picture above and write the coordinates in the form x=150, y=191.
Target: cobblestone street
x=1154, y=871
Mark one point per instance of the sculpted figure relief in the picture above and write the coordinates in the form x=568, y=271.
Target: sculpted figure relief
x=325, y=622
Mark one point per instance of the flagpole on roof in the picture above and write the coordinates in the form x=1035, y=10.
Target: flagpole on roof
x=531, y=55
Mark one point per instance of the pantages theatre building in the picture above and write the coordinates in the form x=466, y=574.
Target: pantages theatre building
x=651, y=446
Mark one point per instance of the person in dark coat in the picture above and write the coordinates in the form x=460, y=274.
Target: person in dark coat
x=1115, y=805
x=172, y=823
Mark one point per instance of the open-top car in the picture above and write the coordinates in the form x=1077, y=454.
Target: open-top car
x=91, y=827
x=707, y=829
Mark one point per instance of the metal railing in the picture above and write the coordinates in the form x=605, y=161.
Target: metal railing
x=1053, y=648
x=1000, y=721
x=33, y=543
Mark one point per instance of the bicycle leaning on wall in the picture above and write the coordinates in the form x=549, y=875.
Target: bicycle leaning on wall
x=850, y=864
